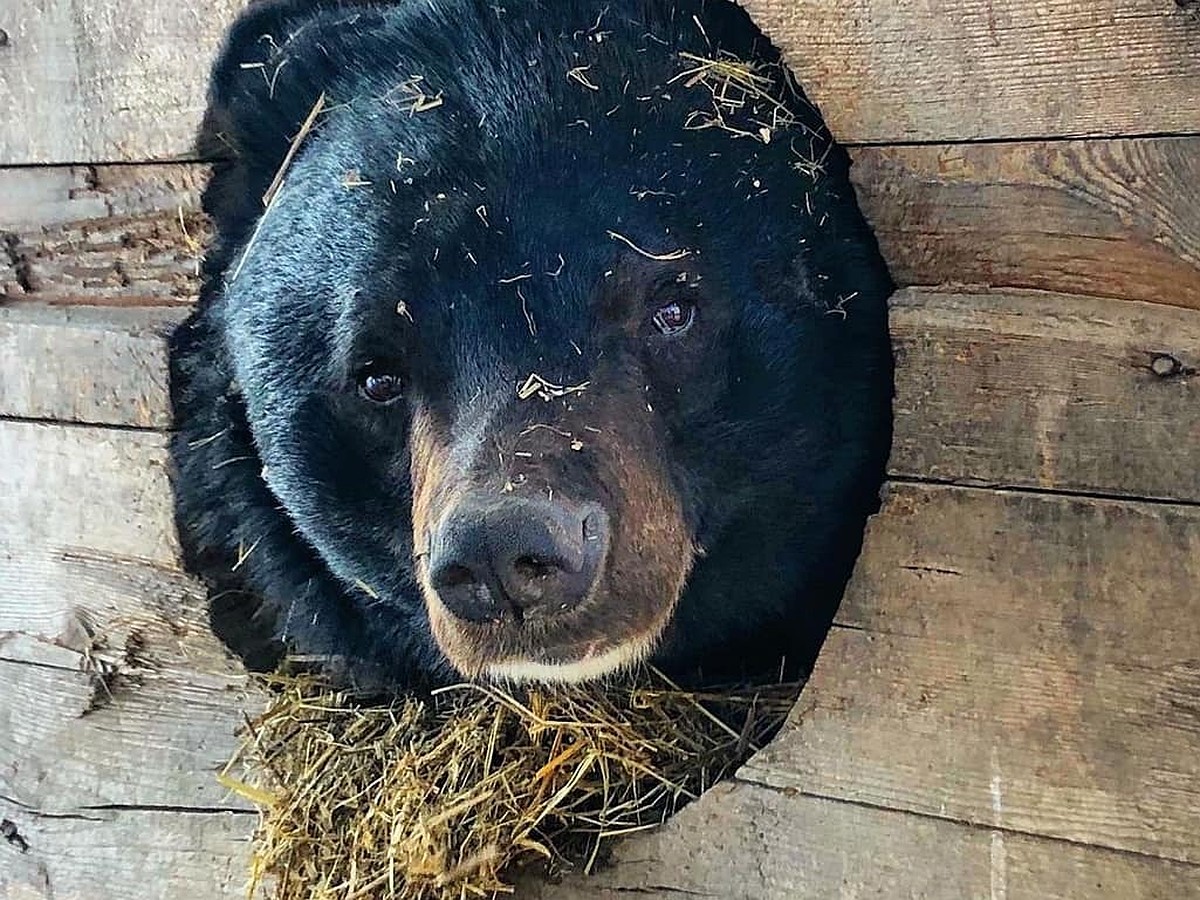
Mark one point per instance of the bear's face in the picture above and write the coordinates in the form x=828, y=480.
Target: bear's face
x=557, y=344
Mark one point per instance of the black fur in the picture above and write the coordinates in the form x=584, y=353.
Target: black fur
x=777, y=427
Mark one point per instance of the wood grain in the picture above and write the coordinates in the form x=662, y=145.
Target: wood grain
x=1016, y=388
x=1013, y=660
x=1090, y=702
x=1012, y=673
x=744, y=842
x=114, y=690
x=1112, y=218
x=126, y=855
x=740, y=842
x=103, y=80
x=43, y=198
x=99, y=81
x=1048, y=391
x=111, y=235
x=960, y=70
x=89, y=559
x=126, y=734
x=86, y=365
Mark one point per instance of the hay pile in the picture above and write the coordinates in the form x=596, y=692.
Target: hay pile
x=445, y=797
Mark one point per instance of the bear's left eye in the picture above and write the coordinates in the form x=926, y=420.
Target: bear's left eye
x=674, y=318
x=380, y=387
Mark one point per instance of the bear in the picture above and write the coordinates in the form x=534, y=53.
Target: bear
x=538, y=339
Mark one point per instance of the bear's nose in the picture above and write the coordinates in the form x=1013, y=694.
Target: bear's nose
x=516, y=558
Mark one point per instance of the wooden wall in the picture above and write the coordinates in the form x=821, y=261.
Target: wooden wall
x=1009, y=705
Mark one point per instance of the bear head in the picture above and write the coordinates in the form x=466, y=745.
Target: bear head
x=536, y=339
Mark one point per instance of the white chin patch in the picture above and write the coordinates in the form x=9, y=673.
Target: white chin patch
x=586, y=669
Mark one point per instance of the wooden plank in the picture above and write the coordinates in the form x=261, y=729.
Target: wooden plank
x=1014, y=660
x=174, y=720
x=112, y=688
x=98, y=80
x=66, y=487
x=1113, y=218
x=86, y=365
x=1048, y=391
x=112, y=235
x=130, y=735
x=104, y=80
x=125, y=855
x=89, y=558
x=741, y=842
x=745, y=842
x=43, y=198
x=958, y=70
x=1017, y=389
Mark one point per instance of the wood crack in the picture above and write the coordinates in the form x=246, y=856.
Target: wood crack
x=966, y=823
x=1021, y=139
x=1065, y=493
x=170, y=808
x=28, y=810
x=88, y=813
x=68, y=423
x=931, y=570
x=19, y=261
x=659, y=889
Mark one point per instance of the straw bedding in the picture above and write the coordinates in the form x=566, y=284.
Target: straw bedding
x=449, y=795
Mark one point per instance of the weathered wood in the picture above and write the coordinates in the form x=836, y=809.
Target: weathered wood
x=94, y=80
x=87, y=488
x=117, y=734
x=1020, y=661
x=170, y=719
x=114, y=235
x=1017, y=662
x=1048, y=391
x=100, y=80
x=89, y=559
x=1110, y=218
x=1017, y=389
x=745, y=842
x=114, y=689
x=86, y=365
x=1115, y=218
x=44, y=198
x=959, y=70
x=741, y=842
x=125, y=855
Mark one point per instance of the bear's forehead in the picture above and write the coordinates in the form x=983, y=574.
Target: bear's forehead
x=478, y=251
x=489, y=201
x=502, y=209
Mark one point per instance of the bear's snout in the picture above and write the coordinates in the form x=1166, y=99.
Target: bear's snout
x=516, y=559
x=554, y=558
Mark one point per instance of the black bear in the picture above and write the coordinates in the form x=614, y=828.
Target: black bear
x=538, y=337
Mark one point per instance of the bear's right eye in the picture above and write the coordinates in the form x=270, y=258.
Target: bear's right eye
x=380, y=387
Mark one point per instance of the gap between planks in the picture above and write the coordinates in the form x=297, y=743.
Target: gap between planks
x=1015, y=488
x=1098, y=136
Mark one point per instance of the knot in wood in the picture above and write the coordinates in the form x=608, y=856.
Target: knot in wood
x=1164, y=365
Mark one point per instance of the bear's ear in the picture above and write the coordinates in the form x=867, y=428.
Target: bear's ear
x=275, y=64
